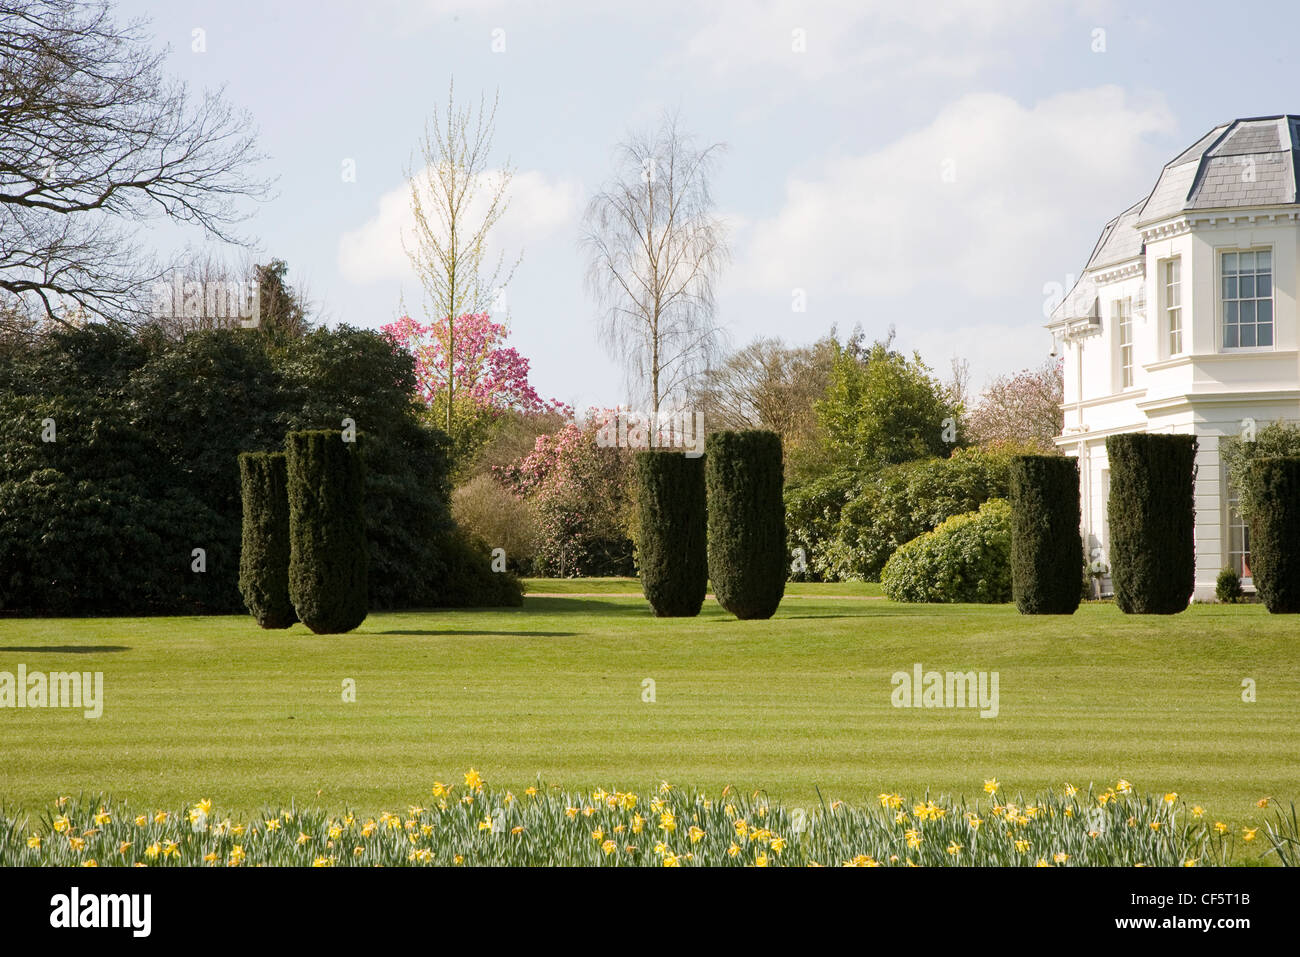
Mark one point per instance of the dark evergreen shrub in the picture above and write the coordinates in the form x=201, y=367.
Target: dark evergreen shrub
x=1227, y=587
x=1152, y=520
x=264, y=548
x=746, y=521
x=1045, y=539
x=672, y=552
x=1275, y=532
x=327, y=531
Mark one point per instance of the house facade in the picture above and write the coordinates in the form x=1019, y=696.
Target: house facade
x=1185, y=320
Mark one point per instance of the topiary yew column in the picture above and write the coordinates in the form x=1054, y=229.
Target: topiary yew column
x=744, y=481
x=1046, y=547
x=1152, y=521
x=264, y=545
x=327, y=534
x=1275, y=532
x=672, y=553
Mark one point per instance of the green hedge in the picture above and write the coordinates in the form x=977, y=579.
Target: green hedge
x=965, y=559
x=746, y=521
x=672, y=554
x=1046, y=547
x=1152, y=520
x=1275, y=532
x=264, y=550
x=327, y=531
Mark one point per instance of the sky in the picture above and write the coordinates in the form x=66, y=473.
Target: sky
x=943, y=168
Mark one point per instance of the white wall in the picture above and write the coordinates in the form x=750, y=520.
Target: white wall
x=1207, y=391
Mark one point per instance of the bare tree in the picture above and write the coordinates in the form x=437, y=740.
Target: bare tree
x=655, y=250
x=457, y=200
x=204, y=291
x=766, y=385
x=94, y=143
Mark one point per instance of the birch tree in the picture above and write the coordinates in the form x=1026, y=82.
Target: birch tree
x=655, y=250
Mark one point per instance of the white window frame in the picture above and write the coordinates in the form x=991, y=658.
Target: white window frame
x=1238, y=559
x=1172, y=306
x=1121, y=311
x=1222, y=301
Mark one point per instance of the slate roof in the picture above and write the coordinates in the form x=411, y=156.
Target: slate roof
x=1246, y=163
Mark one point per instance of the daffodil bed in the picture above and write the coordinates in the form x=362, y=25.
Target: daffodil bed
x=475, y=824
x=594, y=692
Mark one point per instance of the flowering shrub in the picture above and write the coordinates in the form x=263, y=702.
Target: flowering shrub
x=965, y=559
x=488, y=377
x=475, y=824
x=486, y=371
x=582, y=494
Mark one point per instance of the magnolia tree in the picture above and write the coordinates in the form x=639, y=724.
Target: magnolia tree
x=1023, y=408
x=581, y=490
x=488, y=377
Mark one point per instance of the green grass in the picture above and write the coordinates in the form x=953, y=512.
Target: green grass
x=214, y=707
x=632, y=586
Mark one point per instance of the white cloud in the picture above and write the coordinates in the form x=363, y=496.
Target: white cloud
x=941, y=37
x=1025, y=181
x=991, y=349
x=539, y=207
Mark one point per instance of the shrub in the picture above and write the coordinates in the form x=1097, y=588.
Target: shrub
x=965, y=559
x=1274, y=440
x=1152, y=520
x=327, y=531
x=581, y=494
x=464, y=576
x=1227, y=587
x=1045, y=542
x=488, y=511
x=746, y=521
x=104, y=520
x=813, y=511
x=849, y=523
x=1275, y=532
x=264, y=549
x=672, y=549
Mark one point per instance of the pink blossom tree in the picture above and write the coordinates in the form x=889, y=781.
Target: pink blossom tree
x=479, y=375
x=1022, y=408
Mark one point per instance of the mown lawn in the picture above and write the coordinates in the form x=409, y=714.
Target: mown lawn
x=629, y=586
x=214, y=707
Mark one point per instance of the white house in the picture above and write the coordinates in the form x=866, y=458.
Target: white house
x=1185, y=320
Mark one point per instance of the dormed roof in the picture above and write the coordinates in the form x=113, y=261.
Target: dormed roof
x=1246, y=163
